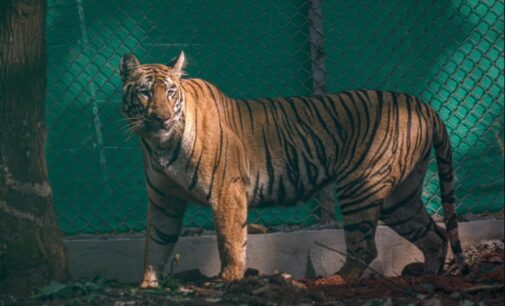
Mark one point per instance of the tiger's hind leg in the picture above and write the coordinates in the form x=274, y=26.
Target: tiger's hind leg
x=405, y=213
x=360, y=222
x=359, y=231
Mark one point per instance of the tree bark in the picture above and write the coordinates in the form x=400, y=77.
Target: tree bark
x=31, y=246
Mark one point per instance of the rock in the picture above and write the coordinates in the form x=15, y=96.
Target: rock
x=256, y=229
x=432, y=301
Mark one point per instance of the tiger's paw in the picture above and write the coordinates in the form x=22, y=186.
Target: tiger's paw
x=150, y=279
x=232, y=274
x=414, y=269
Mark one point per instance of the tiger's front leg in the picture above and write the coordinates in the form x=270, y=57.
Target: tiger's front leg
x=230, y=215
x=164, y=222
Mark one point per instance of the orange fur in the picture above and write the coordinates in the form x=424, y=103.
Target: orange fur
x=202, y=146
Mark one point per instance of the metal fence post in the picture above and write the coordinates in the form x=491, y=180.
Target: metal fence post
x=324, y=198
x=317, y=55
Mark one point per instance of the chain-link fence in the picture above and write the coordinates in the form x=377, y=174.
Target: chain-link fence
x=449, y=53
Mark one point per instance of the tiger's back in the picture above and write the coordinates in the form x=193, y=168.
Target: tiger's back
x=297, y=145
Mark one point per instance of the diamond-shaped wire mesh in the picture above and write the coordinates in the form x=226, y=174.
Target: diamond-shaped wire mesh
x=449, y=53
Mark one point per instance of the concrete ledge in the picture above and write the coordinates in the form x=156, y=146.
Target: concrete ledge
x=293, y=252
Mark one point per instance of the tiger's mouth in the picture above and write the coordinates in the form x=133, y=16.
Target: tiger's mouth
x=154, y=128
x=157, y=125
x=157, y=129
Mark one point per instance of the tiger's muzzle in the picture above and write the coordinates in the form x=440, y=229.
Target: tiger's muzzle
x=156, y=123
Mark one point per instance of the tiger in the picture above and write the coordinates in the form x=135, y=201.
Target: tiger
x=201, y=146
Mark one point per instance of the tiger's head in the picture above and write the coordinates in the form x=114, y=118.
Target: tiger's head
x=152, y=99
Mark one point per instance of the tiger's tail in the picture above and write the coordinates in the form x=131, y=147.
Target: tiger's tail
x=442, y=145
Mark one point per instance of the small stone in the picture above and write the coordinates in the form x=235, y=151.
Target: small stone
x=433, y=301
x=421, y=296
x=466, y=302
x=388, y=302
x=212, y=300
x=318, y=296
x=251, y=272
x=193, y=275
x=125, y=303
x=413, y=269
x=261, y=290
x=374, y=302
x=256, y=229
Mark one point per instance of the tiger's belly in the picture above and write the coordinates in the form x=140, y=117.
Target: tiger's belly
x=285, y=189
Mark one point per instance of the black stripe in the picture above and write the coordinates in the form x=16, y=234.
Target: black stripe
x=146, y=145
x=451, y=223
x=196, y=97
x=276, y=119
x=420, y=232
x=366, y=112
x=363, y=208
x=339, y=130
x=365, y=227
x=175, y=153
x=233, y=104
x=292, y=163
x=446, y=177
x=151, y=185
x=265, y=111
x=407, y=199
x=448, y=198
x=194, y=178
x=403, y=221
x=311, y=169
x=165, y=238
x=217, y=162
x=240, y=116
x=250, y=114
x=456, y=247
x=225, y=166
x=256, y=186
x=164, y=209
x=306, y=102
x=322, y=122
x=301, y=123
x=268, y=160
x=444, y=161
x=320, y=147
x=367, y=149
x=438, y=230
x=360, y=198
x=281, y=192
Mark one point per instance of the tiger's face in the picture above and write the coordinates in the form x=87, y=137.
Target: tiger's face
x=152, y=99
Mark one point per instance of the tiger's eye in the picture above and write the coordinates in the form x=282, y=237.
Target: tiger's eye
x=171, y=92
x=145, y=92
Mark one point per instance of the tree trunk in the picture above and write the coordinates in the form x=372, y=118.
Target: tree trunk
x=31, y=246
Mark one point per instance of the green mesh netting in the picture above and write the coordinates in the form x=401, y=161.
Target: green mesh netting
x=449, y=53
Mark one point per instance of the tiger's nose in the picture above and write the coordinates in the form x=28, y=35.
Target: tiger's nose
x=159, y=120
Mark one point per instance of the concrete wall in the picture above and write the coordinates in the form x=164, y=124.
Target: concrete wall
x=296, y=252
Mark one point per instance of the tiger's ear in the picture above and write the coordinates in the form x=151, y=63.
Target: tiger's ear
x=179, y=64
x=129, y=63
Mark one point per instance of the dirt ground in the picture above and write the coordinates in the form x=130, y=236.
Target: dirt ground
x=484, y=286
